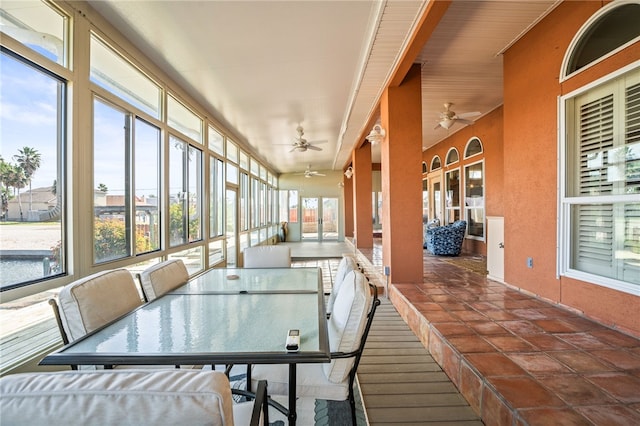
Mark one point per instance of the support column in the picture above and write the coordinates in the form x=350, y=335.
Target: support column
x=348, y=207
x=362, y=186
x=401, y=117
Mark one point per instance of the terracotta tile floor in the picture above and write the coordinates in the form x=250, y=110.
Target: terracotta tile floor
x=517, y=359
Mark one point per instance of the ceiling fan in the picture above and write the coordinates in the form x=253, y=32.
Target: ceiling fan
x=301, y=144
x=310, y=173
x=448, y=118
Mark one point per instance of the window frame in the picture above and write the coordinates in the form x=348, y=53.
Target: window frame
x=565, y=201
x=575, y=42
x=468, y=144
x=62, y=172
x=448, y=161
x=468, y=208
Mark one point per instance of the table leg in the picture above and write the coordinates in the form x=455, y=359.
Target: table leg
x=292, y=395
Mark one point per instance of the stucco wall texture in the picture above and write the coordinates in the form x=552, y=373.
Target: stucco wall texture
x=520, y=140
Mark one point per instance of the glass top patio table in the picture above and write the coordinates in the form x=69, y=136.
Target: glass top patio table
x=279, y=280
x=205, y=322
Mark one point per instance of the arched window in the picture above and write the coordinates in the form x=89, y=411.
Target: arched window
x=605, y=32
x=452, y=156
x=474, y=147
x=424, y=167
x=435, y=163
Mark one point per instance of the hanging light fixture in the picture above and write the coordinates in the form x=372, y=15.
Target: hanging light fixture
x=376, y=135
x=349, y=172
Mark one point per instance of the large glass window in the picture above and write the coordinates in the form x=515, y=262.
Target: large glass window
x=602, y=187
x=474, y=147
x=216, y=197
x=244, y=201
x=452, y=194
x=126, y=184
x=613, y=29
x=111, y=192
x=185, y=192
x=232, y=151
x=474, y=199
x=216, y=141
x=183, y=119
x=37, y=25
x=435, y=163
x=425, y=200
x=293, y=206
x=255, y=203
x=31, y=175
x=146, y=163
x=283, y=206
x=112, y=72
x=452, y=156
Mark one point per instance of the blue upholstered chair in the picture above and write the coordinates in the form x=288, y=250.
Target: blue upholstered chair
x=446, y=240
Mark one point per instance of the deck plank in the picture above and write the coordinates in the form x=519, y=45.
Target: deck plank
x=401, y=384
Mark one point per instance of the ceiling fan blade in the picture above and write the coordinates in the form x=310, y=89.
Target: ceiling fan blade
x=469, y=114
x=465, y=121
x=315, y=148
x=437, y=126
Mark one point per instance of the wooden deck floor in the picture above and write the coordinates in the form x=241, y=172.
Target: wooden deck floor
x=400, y=382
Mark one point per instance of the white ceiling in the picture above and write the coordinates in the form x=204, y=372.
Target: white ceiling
x=265, y=67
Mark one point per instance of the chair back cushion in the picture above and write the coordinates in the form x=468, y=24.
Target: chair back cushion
x=346, y=265
x=96, y=300
x=274, y=256
x=117, y=397
x=346, y=324
x=163, y=277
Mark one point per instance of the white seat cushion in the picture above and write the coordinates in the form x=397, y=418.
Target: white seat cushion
x=345, y=327
x=346, y=265
x=96, y=300
x=347, y=322
x=163, y=277
x=274, y=256
x=311, y=381
x=112, y=397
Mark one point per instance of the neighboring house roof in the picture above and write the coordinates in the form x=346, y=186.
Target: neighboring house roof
x=36, y=195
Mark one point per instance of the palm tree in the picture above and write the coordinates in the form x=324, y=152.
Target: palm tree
x=29, y=161
x=15, y=178
x=4, y=188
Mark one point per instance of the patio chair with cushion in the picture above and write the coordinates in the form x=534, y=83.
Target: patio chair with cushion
x=348, y=328
x=346, y=265
x=127, y=397
x=163, y=277
x=94, y=301
x=446, y=240
x=274, y=256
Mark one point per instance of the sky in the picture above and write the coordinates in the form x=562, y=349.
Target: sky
x=28, y=103
x=28, y=117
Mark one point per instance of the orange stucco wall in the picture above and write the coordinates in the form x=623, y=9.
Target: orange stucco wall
x=531, y=89
x=521, y=150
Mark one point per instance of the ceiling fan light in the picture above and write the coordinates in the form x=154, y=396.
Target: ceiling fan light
x=447, y=123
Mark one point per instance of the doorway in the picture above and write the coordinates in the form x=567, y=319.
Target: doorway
x=319, y=219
